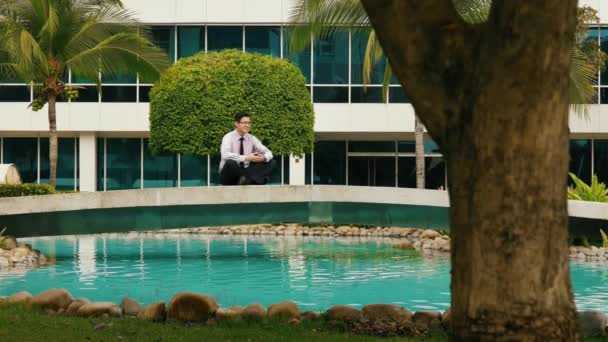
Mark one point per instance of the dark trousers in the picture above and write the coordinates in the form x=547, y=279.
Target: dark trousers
x=256, y=173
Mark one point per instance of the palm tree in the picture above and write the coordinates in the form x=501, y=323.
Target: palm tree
x=321, y=18
x=41, y=40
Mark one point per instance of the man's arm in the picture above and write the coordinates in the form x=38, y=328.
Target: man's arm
x=227, y=153
x=260, y=148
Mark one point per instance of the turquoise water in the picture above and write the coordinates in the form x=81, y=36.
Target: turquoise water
x=314, y=272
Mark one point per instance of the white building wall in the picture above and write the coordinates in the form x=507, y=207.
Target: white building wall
x=133, y=118
x=210, y=11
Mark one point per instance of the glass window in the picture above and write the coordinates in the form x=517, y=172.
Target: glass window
x=123, y=163
x=431, y=147
x=371, y=171
x=407, y=172
x=87, y=94
x=263, y=39
x=397, y=95
x=366, y=95
x=600, y=161
x=144, y=93
x=308, y=171
x=164, y=38
x=286, y=169
x=190, y=40
x=603, y=96
x=331, y=59
x=100, y=159
x=119, y=94
x=77, y=79
x=124, y=78
x=371, y=146
x=407, y=146
x=214, y=170
x=5, y=78
x=193, y=170
x=66, y=157
x=159, y=171
x=604, y=47
x=302, y=59
x=224, y=37
x=580, y=160
x=590, y=42
x=359, y=45
x=24, y=153
x=330, y=162
x=275, y=178
x=330, y=95
x=434, y=175
x=15, y=93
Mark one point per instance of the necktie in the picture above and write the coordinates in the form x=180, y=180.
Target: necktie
x=242, y=151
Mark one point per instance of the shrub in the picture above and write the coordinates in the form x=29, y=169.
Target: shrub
x=16, y=190
x=596, y=192
x=604, y=239
x=192, y=106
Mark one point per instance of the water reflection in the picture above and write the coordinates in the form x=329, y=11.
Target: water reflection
x=316, y=272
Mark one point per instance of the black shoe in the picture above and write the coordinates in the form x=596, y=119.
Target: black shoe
x=242, y=181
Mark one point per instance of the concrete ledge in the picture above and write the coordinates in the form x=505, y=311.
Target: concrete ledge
x=221, y=195
x=150, y=209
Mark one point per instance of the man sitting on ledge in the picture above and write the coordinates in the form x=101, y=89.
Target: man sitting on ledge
x=245, y=160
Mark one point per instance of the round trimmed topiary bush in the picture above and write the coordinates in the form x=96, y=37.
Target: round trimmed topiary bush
x=192, y=106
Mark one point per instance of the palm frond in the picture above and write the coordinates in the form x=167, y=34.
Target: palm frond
x=91, y=36
x=386, y=80
x=120, y=53
x=373, y=54
x=582, y=75
x=473, y=11
x=321, y=18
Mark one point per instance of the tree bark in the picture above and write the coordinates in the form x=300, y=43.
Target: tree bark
x=419, y=136
x=52, y=138
x=495, y=98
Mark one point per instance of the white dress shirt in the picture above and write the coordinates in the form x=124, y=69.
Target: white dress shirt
x=231, y=146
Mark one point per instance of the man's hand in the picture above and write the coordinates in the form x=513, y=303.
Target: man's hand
x=255, y=158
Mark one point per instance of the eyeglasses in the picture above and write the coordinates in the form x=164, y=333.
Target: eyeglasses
x=245, y=122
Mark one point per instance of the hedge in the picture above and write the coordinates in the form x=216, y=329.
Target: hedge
x=16, y=190
x=192, y=106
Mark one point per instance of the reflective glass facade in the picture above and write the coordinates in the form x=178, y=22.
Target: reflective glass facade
x=123, y=163
x=263, y=39
x=191, y=40
x=224, y=37
x=331, y=66
x=600, y=160
x=159, y=171
x=193, y=170
x=24, y=153
x=580, y=160
x=67, y=163
x=31, y=155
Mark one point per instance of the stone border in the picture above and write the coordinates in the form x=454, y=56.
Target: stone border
x=372, y=319
x=18, y=257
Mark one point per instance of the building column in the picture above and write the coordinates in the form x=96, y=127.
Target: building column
x=297, y=170
x=87, y=160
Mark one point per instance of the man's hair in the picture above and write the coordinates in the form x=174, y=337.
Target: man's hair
x=240, y=115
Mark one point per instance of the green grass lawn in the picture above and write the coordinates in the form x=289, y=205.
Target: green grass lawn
x=19, y=324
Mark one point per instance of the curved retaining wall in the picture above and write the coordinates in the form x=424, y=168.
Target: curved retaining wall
x=149, y=209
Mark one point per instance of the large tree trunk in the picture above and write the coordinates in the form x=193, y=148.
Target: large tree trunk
x=52, y=139
x=419, y=136
x=495, y=98
x=508, y=219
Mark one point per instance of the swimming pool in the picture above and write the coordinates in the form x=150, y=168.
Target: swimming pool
x=315, y=272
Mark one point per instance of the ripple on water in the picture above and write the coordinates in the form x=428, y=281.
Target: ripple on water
x=316, y=273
